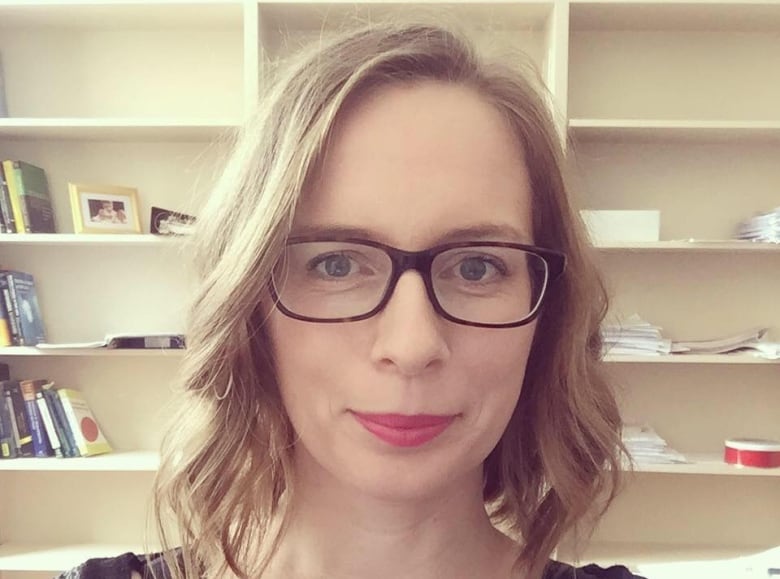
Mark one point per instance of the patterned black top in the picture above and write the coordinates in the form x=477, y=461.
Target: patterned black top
x=122, y=566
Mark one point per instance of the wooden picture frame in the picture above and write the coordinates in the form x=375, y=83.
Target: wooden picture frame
x=104, y=208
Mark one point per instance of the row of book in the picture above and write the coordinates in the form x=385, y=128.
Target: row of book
x=25, y=201
x=21, y=323
x=40, y=419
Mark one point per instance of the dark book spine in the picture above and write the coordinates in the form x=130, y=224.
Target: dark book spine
x=24, y=439
x=6, y=217
x=13, y=322
x=41, y=447
x=48, y=424
x=8, y=447
x=49, y=396
x=59, y=414
x=13, y=312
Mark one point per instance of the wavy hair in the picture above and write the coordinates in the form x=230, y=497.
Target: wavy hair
x=225, y=474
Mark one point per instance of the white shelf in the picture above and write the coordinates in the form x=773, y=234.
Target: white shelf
x=57, y=558
x=115, y=129
x=119, y=461
x=86, y=239
x=707, y=464
x=689, y=359
x=26, y=351
x=725, y=246
x=649, y=130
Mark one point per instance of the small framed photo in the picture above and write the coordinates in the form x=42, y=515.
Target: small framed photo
x=104, y=208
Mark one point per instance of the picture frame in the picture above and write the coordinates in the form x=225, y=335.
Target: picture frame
x=104, y=208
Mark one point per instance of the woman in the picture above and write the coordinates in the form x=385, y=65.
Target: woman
x=394, y=350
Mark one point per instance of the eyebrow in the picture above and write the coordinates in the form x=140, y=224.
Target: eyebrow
x=479, y=232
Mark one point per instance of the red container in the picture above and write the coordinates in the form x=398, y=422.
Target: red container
x=753, y=452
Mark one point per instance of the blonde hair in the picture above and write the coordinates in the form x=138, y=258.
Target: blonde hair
x=225, y=473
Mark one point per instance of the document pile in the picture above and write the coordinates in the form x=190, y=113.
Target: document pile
x=747, y=341
x=646, y=447
x=634, y=336
x=763, y=227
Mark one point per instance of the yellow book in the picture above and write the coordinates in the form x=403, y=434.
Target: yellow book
x=86, y=432
x=13, y=193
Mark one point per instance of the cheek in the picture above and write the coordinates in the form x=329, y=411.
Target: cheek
x=497, y=373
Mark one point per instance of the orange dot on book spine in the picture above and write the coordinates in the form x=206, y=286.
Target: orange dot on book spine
x=90, y=429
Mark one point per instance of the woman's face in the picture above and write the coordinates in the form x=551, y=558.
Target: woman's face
x=408, y=164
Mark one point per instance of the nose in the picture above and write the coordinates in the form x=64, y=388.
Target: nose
x=409, y=334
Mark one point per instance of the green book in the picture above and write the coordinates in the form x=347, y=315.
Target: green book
x=34, y=198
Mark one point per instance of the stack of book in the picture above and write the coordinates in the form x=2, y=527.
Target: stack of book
x=25, y=202
x=21, y=323
x=763, y=227
x=634, y=336
x=646, y=447
x=39, y=419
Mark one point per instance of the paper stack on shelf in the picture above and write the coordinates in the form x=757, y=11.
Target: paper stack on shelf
x=634, y=336
x=763, y=227
x=646, y=447
x=749, y=340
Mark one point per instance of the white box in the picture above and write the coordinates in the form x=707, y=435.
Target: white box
x=611, y=226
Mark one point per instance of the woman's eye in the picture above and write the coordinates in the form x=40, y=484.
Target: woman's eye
x=332, y=265
x=473, y=269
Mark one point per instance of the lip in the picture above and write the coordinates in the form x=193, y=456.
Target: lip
x=404, y=430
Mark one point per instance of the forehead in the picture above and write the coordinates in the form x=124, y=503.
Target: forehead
x=411, y=162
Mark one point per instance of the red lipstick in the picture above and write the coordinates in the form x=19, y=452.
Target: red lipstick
x=402, y=429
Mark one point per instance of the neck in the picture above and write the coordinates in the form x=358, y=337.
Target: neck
x=338, y=531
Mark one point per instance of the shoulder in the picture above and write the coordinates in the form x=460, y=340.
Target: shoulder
x=556, y=570
x=125, y=566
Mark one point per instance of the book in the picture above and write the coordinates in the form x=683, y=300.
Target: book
x=48, y=422
x=13, y=320
x=7, y=221
x=8, y=447
x=27, y=311
x=68, y=442
x=34, y=198
x=13, y=195
x=87, y=433
x=41, y=446
x=5, y=324
x=155, y=341
x=22, y=434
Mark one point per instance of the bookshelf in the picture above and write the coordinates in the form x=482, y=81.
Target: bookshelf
x=670, y=105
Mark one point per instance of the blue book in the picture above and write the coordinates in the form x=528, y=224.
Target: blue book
x=24, y=299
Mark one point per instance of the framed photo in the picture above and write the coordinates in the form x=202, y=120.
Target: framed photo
x=104, y=208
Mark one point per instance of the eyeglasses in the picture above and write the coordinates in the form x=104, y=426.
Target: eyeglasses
x=483, y=284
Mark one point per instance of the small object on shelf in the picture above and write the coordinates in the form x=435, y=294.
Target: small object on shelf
x=756, y=452
x=104, y=208
x=613, y=226
x=156, y=341
x=762, y=227
x=167, y=222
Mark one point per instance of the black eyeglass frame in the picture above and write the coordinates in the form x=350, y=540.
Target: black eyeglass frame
x=421, y=261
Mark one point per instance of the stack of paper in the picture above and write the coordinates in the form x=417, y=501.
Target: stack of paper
x=646, y=447
x=749, y=340
x=634, y=336
x=762, y=227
